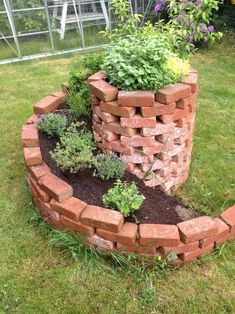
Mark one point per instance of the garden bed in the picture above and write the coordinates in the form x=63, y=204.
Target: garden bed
x=105, y=228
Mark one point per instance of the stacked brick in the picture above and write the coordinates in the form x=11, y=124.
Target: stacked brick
x=151, y=132
x=106, y=229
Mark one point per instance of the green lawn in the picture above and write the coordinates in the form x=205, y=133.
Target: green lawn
x=38, y=277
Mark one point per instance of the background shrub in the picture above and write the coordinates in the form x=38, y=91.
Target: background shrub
x=74, y=152
x=93, y=62
x=109, y=167
x=124, y=197
x=52, y=124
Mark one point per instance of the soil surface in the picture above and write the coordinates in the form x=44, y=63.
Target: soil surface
x=157, y=208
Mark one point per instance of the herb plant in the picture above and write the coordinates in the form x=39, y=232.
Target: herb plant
x=125, y=197
x=74, y=152
x=93, y=62
x=52, y=124
x=109, y=167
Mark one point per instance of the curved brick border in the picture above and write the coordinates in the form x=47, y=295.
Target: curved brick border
x=152, y=132
x=105, y=228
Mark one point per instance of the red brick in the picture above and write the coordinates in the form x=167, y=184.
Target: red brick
x=192, y=81
x=47, y=104
x=94, y=100
x=180, y=248
x=77, y=226
x=38, y=171
x=157, y=164
x=136, y=98
x=138, y=173
x=172, y=93
x=39, y=192
x=97, y=127
x=229, y=217
x=115, y=146
x=106, y=117
x=137, y=141
x=183, y=103
x=33, y=119
x=153, y=182
x=135, y=158
x=113, y=108
x=97, y=76
x=137, y=248
x=103, y=90
x=179, y=114
x=127, y=234
x=161, y=235
x=62, y=95
x=100, y=243
x=96, y=118
x=230, y=236
x=137, y=121
x=102, y=218
x=55, y=187
x=109, y=136
x=29, y=136
x=157, y=110
x=197, y=229
x=223, y=230
x=117, y=129
x=190, y=256
x=160, y=128
x=44, y=206
x=32, y=156
x=71, y=208
x=158, y=148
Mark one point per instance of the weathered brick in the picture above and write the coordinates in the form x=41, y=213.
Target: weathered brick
x=127, y=234
x=71, y=207
x=77, y=226
x=29, y=136
x=96, y=118
x=136, y=98
x=157, y=110
x=37, y=190
x=109, y=136
x=33, y=119
x=229, y=217
x=137, y=141
x=190, y=256
x=97, y=76
x=113, y=108
x=94, y=100
x=106, y=117
x=157, y=164
x=192, y=81
x=183, y=103
x=55, y=187
x=228, y=237
x=177, y=115
x=160, y=128
x=137, y=121
x=103, y=90
x=38, y=171
x=100, y=242
x=47, y=104
x=60, y=94
x=102, y=218
x=172, y=93
x=135, y=158
x=197, y=229
x=44, y=206
x=222, y=231
x=158, y=148
x=160, y=235
x=137, y=248
x=180, y=248
x=32, y=156
x=115, y=146
x=117, y=129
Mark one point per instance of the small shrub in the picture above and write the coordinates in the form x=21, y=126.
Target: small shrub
x=93, y=62
x=79, y=103
x=75, y=150
x=52, y=124
x=109, y=167
x=124, y=197
x=76, y=81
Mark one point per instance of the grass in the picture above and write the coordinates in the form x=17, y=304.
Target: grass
x=42, y=271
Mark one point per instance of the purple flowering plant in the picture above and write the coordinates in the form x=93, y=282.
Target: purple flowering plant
x=190, y=20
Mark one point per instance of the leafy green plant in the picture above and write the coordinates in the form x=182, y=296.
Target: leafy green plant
x=93, y=62
x=124, y=197
x=52, y=124
x=78, y=98
x=109, y=167
x=74, y=152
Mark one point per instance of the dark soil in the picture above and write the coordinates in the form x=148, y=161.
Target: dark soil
x=156, y=208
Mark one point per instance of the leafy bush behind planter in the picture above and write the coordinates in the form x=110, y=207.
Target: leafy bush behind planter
x=52, y=124
x=74, y=152
x=124, y=197
x=109, y=167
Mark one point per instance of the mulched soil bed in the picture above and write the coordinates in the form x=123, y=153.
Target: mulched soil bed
x=156, y=208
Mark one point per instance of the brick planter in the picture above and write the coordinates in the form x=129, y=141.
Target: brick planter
x=151, y=132
x=105, y=228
